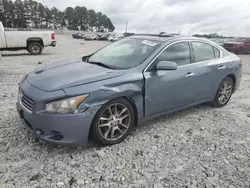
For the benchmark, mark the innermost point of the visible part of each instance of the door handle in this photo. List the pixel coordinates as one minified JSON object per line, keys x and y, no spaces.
{"x":221,"y":67}
{"x":190,"y":74}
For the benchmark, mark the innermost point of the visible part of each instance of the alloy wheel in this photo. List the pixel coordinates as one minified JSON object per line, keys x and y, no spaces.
{"x":225,"y":92}
{"x":35,"y":48}
{"x":114,"y":122}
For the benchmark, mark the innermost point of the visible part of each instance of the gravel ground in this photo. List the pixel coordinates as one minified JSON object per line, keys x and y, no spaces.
{"x":199,"y":147}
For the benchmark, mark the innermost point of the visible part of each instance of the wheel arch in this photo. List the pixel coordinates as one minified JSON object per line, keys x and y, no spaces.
{"x":130,"y":100}
{"x":127,"y":98}
{"x":34,"y":39}
{"x":215,"y":102}
{"x":233,"y":77}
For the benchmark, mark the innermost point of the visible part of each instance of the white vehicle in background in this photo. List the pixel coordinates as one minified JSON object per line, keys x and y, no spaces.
{"x":110,"y":37}
{"x":32,"y":41}
{"x":114,"y":38}
{"x":92,"y":37}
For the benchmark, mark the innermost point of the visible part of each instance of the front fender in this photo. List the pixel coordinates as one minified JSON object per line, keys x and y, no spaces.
{"x":133,"y":91}
{"x":105,"y":93}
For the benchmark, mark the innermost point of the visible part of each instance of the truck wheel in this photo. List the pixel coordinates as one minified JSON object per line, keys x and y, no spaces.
{"x":241,"y":50}
{"x":35,"y":48}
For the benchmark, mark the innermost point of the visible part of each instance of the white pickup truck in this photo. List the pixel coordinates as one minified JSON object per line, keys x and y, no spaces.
{"x":33,"y":41}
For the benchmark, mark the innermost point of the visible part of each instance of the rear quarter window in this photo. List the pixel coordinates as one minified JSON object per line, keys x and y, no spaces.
{"x":216,"y":53}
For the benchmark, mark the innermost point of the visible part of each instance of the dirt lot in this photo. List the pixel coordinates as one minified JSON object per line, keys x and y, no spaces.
{"x":198,"y":147}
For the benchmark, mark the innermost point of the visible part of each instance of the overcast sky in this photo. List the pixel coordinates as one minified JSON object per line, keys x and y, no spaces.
{"x":227,"y":17}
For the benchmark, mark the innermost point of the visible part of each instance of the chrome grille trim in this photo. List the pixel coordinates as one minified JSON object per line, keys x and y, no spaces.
{"x":26,"y":102}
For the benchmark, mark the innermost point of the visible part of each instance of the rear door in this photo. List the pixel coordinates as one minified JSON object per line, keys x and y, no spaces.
{"x":209,"y":70}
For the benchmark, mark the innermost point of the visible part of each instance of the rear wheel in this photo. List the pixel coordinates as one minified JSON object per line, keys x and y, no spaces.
{"x":113,"y":122}
{"x":241,"y":50}
{"x":35,"y":48}
{"x":224,"y":92}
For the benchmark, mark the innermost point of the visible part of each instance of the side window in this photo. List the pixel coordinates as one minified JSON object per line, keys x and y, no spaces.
{"x":178,"y":53}
{"x":216,"y":53}
{"x":202,"y":51}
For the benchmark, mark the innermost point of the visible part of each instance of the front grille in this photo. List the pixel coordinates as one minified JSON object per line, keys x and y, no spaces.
{"x":228,"y":45}
{"x":26,"y":102}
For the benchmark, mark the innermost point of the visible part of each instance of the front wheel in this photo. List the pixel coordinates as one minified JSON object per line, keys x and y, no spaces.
{"x":224,"y":92}
{"x":113,"y":122}
{"x":35,"y":48}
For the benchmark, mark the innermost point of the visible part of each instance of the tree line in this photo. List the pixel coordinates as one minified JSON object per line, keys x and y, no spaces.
{"x":31,"y":14}
{"x":211,"y":35}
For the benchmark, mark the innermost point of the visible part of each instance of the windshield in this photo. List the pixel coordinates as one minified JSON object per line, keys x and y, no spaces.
{"x":125,"y":54}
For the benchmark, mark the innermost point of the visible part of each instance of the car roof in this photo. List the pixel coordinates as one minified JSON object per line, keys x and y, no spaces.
{"x":174,"y":38}
{"x":166,"y":38}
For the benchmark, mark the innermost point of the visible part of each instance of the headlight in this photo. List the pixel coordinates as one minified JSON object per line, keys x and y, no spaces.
{"x":66,"y":106}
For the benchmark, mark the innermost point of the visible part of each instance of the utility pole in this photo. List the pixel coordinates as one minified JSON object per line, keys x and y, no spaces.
{"x":126,"y":27}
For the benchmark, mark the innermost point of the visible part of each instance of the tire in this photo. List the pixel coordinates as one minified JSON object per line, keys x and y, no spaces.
{"x":241,"y":50}
{"x":223,"y":96}
{"x":107,"y":120}
{"x":35,"y":48}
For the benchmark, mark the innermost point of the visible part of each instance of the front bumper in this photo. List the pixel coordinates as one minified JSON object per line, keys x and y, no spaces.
{"x":59,"y":129}
{"x":69,"y":129}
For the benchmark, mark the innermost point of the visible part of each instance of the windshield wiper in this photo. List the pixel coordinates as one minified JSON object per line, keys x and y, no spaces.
{"x":100,"y":64}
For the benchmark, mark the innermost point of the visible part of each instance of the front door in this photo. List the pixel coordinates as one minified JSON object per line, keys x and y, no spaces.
{"x":166,"y":90}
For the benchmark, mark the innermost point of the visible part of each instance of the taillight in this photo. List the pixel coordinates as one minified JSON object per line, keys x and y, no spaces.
{"x":53,"y":36}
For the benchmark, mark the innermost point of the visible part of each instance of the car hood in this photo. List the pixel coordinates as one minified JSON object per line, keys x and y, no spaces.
{"x":69,"y":73}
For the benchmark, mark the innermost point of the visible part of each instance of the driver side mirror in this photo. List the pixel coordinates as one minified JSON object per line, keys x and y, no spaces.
{"x":166,"y":65}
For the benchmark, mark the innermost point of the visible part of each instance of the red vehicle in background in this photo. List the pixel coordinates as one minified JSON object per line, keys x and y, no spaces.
{"x":238,"y":45}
